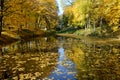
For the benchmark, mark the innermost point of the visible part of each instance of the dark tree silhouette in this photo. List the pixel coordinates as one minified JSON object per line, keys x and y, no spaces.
{"x":1,"y":14}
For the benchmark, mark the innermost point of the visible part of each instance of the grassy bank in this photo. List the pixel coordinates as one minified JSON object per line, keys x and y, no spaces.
{"x":8,"y":37}
{"x":91,"y":33}
{"x":5,"y":39}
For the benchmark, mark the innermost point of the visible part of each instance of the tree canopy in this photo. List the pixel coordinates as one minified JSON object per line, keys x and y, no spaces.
{"x":94,"y":13}
{"x":30,"y":14}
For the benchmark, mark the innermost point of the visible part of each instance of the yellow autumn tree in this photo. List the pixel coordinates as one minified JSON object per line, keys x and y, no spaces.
{"x":68,"y":16}
{"x":103,"y":14}
{"x":30,"y":14}
{"x":47,"y":13}
{"x":80,"y":10}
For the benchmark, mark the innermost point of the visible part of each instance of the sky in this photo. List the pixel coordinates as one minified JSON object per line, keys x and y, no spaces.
{"x":61,"y":4}
{"x":60,"y":7}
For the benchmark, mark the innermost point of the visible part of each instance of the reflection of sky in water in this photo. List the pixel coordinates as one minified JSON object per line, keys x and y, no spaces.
{"x":65,"y":69}
{"x":61,"y":52}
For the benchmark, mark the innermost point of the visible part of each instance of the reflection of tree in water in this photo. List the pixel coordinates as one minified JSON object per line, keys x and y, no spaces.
{"x":104,"y":62}
{"x":1,"y":50}
{"x":99,"y":61}
{"x":35,"y":45}
{"x":65,"y":69}
{"x":27,"y":66}
{"x":32,"y":64}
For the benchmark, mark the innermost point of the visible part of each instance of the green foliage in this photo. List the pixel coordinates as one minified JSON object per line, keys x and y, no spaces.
{"x":69,"y":30}
{"x":26,"y":30}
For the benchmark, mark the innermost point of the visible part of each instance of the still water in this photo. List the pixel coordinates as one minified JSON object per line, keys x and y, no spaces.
{"x":60,"y":58}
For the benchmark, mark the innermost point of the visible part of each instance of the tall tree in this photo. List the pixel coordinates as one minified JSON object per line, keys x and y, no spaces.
{"x":95,"y":13}
{"x":30,"y":14}
{"x":1,"y":15}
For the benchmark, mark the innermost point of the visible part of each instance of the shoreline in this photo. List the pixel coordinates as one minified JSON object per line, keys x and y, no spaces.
{"x":5,"y":39}
{"x":8,"y":37}
{"x":92,"y":38}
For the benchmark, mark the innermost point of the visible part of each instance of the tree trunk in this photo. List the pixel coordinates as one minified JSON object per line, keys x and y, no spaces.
{"x":94,"y":27}
{"x":39,"y":22}
{"x":1,"y":15}
{"x":0,"y":25}
{"x":47,"y":22}
{"x":85,"y":26}
{"x":88,"y":21}
{"x":101,"y":25}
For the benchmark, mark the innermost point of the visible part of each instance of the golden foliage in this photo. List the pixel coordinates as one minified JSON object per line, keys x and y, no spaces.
{"x":92,"y":11}
{"x":30,"y":13}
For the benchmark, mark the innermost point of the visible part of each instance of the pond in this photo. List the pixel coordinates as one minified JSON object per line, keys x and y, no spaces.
{"x":60,"y":58}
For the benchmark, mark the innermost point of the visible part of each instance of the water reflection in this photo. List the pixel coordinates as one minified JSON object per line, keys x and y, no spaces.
{"x":61,"y":52}
{"x":1,"y":50}
{"x":95,"y":61}
{"x":60,"y":59}
{"x":28,"y":60}
{"x":65,"y":69}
